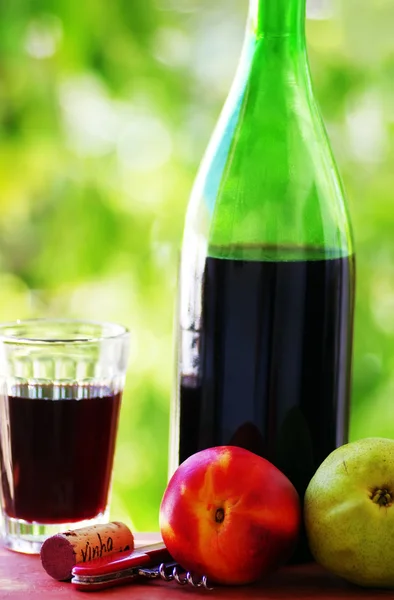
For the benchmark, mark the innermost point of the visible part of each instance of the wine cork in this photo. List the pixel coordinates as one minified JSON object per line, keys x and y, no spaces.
{"x":61,"y":552}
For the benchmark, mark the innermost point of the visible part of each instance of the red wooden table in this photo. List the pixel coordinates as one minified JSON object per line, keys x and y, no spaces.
{"x":22,"y":577}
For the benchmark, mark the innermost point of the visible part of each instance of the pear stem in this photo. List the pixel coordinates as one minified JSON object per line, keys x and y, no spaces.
{"x":382,"y":497}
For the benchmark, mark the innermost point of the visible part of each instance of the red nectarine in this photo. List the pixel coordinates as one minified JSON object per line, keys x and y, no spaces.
{"x":230,"y":515}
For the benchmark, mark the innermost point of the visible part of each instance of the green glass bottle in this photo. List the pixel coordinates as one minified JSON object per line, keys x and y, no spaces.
{"x":266,"y":294}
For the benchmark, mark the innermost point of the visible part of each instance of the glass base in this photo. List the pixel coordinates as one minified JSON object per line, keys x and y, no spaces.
{"x":22,"y":536}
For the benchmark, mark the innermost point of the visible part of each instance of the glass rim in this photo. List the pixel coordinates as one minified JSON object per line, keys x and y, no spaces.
{"x":115,"y":332}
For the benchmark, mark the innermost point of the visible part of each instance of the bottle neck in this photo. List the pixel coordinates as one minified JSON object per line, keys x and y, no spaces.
{"x":278,"y":18}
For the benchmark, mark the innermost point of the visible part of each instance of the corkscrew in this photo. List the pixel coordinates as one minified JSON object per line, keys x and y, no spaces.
{"x":149,"y":562}
{"x":174,"y":572}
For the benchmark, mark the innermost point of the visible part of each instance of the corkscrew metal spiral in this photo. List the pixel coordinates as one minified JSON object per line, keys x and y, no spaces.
{"x":173,"y":572}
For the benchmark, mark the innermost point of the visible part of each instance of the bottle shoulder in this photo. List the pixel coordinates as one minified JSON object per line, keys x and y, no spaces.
{"x":269,"y":170}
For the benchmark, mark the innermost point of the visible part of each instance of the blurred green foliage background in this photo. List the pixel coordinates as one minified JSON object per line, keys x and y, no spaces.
{"x":105,"y":111}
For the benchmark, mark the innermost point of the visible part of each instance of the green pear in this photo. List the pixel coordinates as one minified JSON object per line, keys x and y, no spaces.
{"x":349,"y":512}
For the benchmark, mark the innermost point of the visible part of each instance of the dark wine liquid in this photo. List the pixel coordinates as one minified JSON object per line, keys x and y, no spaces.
{"x":56,"y":466}
{"x":275,"y":362}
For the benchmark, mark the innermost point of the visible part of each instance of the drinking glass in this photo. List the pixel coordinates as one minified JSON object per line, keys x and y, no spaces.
{"x":61,"y":383}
